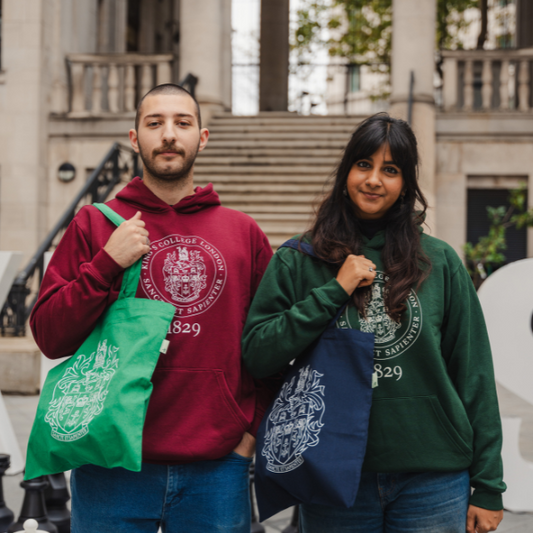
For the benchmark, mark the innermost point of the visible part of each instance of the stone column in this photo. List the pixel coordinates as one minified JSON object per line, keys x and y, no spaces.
{"x":205,"y":51}
{"x":73,"y":27}
{"x":113,"y":26}
{"x":274,"y":62}
{"x":413,"y":50}
{"x":23,"y":108}
{"x":147,"y":27}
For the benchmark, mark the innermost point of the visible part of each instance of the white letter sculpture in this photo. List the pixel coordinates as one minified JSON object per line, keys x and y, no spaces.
{"x":507,"y":301}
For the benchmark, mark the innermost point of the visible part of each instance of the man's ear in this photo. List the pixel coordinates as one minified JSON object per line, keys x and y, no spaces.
{"x":204,"y":135}
{"x":133,"y":141}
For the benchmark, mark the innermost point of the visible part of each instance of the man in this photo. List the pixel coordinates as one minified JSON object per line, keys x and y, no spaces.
{"x":207,"y":261}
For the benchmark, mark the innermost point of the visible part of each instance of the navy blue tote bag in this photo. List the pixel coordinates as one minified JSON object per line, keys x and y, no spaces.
{"x":312,"y":439}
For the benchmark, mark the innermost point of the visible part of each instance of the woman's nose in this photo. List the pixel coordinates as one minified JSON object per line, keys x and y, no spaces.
{"x":373,"y":179}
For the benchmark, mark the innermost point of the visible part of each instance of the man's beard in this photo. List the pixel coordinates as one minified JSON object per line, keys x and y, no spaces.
{"x":168,"y":175}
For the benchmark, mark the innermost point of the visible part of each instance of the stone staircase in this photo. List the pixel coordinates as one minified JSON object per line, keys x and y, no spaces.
{"x":273,"y":166}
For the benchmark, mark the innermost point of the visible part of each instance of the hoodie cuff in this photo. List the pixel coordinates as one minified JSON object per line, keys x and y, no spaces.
{"x":332,"y":293}
{"x":104,"y":268}
{"x":492,"y":501}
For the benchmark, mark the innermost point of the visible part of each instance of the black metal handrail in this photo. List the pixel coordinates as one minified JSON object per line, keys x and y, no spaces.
{"x":101,"y":182}
{"x":189,"y":82}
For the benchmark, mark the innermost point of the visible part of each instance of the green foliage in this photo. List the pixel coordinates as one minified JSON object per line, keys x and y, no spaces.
{"x":450,"y":22}
{"x":361,"y":30}
{"x":487,"y":254}
{"x":310,"y":22}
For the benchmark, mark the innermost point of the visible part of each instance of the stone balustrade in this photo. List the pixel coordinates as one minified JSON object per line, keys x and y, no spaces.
{"x":488,"y":80}
{"x":104,"y":84}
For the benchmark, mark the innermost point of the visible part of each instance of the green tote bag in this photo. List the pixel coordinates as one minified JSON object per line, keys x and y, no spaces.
{"x":93,"y":405}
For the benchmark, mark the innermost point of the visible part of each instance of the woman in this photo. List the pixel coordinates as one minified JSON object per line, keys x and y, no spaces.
{"x":435,"y":431}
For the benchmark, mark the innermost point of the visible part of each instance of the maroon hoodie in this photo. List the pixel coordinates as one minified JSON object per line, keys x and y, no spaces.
{"x":207,"y":261}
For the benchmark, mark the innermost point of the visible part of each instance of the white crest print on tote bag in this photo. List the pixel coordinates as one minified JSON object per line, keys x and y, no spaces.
{"x":80,"y":394}
{"x":295,"y":422}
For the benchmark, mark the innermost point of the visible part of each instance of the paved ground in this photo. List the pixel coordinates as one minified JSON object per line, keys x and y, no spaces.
{"x":22,"y":410}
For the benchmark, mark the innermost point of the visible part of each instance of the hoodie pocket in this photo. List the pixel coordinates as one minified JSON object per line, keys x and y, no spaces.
{"x":449,"y":428}
{"x":232,"y":405}
{"x":192,"y":415}
{"x":414,"y":434}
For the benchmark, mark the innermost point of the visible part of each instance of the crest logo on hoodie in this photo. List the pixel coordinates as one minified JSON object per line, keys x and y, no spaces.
{"x":184,"y":274}
{"x":185,"y":271}
{"x":391,"y":338}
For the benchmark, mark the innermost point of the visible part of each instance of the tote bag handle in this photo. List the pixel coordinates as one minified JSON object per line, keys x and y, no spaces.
{"x":132,"y":274}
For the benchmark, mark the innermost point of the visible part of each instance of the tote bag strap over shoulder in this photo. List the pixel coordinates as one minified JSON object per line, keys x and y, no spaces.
{"x":130,"y":281}
{"x":110,"y":214}
{"x":300,"y":246}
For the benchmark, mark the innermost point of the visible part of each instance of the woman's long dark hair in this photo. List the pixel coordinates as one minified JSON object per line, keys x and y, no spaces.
{"x":336,"y":231}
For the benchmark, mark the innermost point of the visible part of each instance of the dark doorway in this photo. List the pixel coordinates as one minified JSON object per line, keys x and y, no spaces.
{"x":134,"y":25}
{"x":478,"y":223}
{"x":524,"y":23}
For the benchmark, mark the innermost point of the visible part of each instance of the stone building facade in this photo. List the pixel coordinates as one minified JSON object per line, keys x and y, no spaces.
{"x":71,"y":73}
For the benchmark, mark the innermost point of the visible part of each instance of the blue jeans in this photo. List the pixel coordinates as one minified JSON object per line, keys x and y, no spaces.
{"x":433,"y":502}
{"x":195,"y":497}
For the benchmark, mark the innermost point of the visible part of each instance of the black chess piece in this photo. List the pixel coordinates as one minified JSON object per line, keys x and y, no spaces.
{"x":256,"y":527}
{"x":56,"y":496}
{"x":6,"y":515}
{"x":293,"y":526}
{"x":33,"y":506}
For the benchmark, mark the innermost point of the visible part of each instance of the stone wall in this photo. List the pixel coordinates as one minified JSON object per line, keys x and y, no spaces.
{"x":478,"y":145}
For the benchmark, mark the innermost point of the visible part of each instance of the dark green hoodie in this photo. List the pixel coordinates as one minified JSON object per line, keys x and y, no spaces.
{"x":435,"y":407}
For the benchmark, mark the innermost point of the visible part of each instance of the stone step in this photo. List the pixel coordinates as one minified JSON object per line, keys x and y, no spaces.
{"x":275,"y":143}
{"x":287,"y":119}
{"x":203,"y":178}
{"x":300,"y":218}
{"x":309,"y":136}
{"x":290,"y":129}
{"x":222,"y":161}
{"x":271,"y":209}
{"x":211,"y":170}
{"x":259,"y":151}
{"x":305,"y":199}
{"x":275,"y":166}
{"x":282,"y":228}
{"x":260,"y":190}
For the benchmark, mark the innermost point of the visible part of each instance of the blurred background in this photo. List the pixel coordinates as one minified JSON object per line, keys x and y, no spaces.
{"x":282,"y":85}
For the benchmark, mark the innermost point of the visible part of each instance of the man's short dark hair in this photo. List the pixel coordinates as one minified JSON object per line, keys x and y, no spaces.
{"x":167,"y":88}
